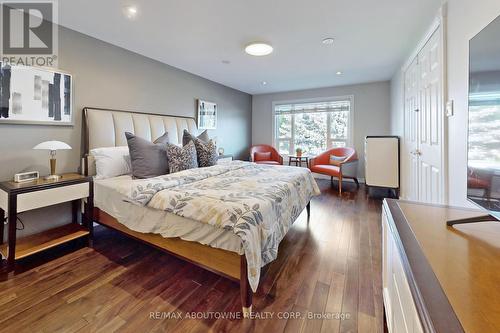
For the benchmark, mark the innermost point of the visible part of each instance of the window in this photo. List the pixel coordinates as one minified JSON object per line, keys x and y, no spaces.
{"x":312,"y":126}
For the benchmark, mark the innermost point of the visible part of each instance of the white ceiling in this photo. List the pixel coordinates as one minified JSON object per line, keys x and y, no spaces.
{"x":372,"y":37}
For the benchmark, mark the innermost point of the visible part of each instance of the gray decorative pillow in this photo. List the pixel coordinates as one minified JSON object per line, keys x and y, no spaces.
{"x":148,"y":159}
{"x":186,"y":137}
{"x":207,"y":152}
{"x":162,"y":139}
{"x":181,"y":158}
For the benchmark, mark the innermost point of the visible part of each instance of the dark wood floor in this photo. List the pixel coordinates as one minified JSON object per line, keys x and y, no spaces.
{"x":329,"y":267}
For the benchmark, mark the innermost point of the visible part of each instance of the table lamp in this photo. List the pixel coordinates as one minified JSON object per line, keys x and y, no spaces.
{"x":218,"y":143}
{"x":52,"y":146}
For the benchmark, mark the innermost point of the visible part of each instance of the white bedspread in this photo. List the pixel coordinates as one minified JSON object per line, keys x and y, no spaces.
{"x":149,"y":220}
{"x":258,"y":203}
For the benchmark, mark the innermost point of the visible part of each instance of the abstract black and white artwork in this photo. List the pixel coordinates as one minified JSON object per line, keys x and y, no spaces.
{"x":33,"y":95}
{"x":207,"y":115}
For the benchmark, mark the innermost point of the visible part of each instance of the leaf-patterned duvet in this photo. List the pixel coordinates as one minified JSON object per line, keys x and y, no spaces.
{"x":258,"y":203}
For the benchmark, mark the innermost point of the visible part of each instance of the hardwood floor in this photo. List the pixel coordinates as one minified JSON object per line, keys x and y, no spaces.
{"x":328,"y":267}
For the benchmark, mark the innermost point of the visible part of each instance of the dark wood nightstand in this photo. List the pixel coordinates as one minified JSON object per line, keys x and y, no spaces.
{"x":20,"y":197}
{"x":298,"y":160}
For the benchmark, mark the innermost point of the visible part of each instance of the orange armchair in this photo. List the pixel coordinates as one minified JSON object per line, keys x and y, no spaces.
{"x":477,"y":181}
{"x":344,"y":168}
{"x":265,"y":154}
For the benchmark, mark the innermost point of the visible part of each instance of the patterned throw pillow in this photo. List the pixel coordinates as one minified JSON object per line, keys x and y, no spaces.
{"x":181,"y":158}
{"x":207,"y":153}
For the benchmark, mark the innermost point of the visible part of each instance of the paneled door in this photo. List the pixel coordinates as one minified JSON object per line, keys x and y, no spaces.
{"x":410,"y":142}
{"x":430,"y":122}
{"x":424,"y":124}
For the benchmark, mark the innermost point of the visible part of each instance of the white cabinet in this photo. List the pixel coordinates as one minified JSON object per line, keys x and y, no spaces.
{"x":399,"y":305}
{"x":382,"y":161}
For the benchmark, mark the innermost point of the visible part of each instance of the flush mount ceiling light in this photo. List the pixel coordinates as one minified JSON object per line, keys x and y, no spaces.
{"x":264,"y":83}
{"x":339,"y":73}
{"x":130,"y":12}
{"x":259,"y":49}
{"x":328,"y":41}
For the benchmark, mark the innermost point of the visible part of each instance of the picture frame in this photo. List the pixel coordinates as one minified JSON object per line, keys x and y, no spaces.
{"x":35,"y":95}
{"x":207,"y":115}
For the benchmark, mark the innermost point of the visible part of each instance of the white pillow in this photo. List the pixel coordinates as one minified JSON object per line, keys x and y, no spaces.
{"x":111,"y":161}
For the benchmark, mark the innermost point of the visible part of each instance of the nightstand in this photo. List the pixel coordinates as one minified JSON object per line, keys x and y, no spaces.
{"x":298,"y":160}
{"x":16,"y":198}
{"x":224,"y":159}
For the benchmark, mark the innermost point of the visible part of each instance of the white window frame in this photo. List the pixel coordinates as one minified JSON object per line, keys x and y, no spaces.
{"x":350,"y":136}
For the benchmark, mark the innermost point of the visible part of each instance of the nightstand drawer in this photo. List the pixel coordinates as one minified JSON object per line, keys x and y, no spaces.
{"x":43,"y":198}
{"x":4,"y":200}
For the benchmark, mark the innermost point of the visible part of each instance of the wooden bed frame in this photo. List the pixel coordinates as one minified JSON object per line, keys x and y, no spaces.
{"x":222,"y":262}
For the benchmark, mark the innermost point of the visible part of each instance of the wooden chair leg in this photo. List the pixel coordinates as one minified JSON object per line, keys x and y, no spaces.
{"x":245,"y":289}
{"x":340,"y":184}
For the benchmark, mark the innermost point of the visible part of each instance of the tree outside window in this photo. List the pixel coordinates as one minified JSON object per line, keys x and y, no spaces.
{"x":313,"y":127}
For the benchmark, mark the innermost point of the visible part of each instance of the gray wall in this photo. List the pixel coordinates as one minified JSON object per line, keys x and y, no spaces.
{"x":371,"y":112}
{"x":111,"y":77}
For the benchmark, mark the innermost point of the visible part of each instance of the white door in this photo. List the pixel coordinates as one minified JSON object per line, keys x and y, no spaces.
{"x":410,"y":142}
{"x":430,"y":122}
{"x":424,"y":125}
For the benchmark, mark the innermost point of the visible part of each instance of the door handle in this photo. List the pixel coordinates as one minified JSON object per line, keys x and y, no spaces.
{"x":418,"y":152}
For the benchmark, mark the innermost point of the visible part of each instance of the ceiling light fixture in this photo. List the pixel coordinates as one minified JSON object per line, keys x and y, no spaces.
{"x":339,"y":73}
{"x":264,"y":83}
{"x":130,"y":12}
{"x":259,"y":49}
{"x":226,"y":62}
{"x":328,"y":41}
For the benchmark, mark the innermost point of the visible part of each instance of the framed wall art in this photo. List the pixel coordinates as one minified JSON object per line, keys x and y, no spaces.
{"x":35,"y":95}
{"x":207,"y":115}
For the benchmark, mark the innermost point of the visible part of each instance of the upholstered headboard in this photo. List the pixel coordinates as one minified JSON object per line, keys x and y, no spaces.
{"x":106,"y":128}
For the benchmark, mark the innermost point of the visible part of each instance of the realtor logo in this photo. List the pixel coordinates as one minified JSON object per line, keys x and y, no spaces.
{"x":28,"y":35}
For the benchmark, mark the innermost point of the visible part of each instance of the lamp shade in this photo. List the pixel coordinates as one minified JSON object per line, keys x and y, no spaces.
{"x":52,"y":145}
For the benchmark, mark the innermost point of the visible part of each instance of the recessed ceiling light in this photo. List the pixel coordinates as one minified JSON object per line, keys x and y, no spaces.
{"x":130,"y":12}
{"x":339,"y":73}
{"x":259,"y":49}
{"x":226,"y":62}
{"x":328,"y":41}
{"x":263,"y":83}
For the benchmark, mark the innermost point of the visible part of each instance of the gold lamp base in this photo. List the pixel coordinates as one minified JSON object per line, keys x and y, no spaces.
{"x":53,"y":175}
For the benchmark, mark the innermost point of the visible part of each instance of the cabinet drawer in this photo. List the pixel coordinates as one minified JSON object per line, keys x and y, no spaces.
{"x":401,"y":312}
{"x":407,"y":301}
{"x":400,"y":322}
{"x":38,"y":199}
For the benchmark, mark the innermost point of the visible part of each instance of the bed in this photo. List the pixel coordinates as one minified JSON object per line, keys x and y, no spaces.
{"x":228,"y":219}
